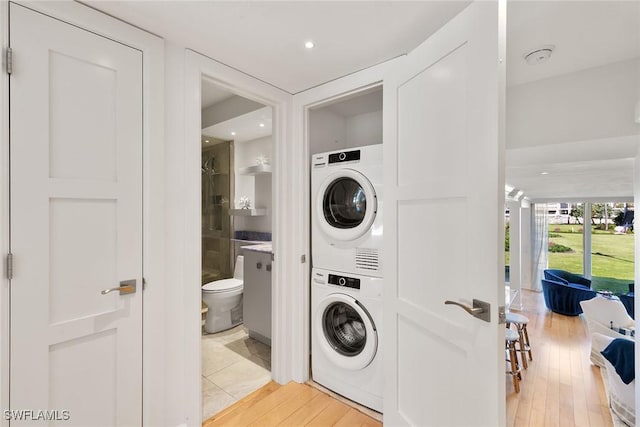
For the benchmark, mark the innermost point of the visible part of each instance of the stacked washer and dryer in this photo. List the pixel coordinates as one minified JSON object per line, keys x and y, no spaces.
{"x":346,"y":282}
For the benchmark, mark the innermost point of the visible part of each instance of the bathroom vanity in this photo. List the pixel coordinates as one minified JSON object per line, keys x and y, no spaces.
{"x":257,"y":291}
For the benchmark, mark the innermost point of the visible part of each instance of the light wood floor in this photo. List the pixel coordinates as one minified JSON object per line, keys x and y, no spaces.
{"x":292,"y":404}
{"x":561,"y":386}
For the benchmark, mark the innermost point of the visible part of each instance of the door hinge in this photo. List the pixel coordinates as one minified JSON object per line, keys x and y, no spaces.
{"x":9,"y":60}
{"x":9,"y":266}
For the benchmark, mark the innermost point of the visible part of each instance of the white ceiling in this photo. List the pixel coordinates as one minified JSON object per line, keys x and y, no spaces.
{"x":266,"y":38}
{"x":359,"y":103}
{"x":586,"y":34}
{"x":213,"y":94}
{"x":246,"y":126}
{"x":604,"y":169}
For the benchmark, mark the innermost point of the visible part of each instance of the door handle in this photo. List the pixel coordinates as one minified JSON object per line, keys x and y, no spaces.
{"x":126,"y":287}
{"x":480,"y":309}
{"x":258,"y":265}
{"x":268,"y":267}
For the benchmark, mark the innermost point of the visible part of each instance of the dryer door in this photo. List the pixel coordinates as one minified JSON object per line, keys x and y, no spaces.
{"x":346,"y":333}
{"x":346,"y":205}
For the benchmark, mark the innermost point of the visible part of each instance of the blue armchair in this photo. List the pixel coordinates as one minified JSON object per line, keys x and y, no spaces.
{"x":628,"y":300}
{"x":565,"y":298}
{"x":567,"y":278}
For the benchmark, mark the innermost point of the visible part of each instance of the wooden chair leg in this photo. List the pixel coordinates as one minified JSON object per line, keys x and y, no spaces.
{"x":522,"y":349}
{"x":515,"y":371}
{"x":526,"y":338}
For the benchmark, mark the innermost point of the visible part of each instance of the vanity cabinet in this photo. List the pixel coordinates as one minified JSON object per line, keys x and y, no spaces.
{"x":257,"y":295}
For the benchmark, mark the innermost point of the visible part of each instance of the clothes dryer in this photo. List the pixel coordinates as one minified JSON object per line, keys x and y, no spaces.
{"x":346,"y":217}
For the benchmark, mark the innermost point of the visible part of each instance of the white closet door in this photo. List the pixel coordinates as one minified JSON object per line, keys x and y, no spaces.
{"x":443,"y":216}
{"x":76,"y":223}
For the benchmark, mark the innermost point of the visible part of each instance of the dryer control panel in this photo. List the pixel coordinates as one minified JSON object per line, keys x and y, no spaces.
{"x":347,"y":282}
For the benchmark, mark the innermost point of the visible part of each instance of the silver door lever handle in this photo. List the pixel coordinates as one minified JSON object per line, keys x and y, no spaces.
{"x":480,"y":309}
{"x":126,"y":287}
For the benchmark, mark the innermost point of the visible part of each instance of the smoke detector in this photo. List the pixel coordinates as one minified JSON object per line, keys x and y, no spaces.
{"x":539,"y":55}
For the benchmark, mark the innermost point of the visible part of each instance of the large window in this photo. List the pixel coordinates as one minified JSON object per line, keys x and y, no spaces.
{"x":612,"y":246}
{"x":612,"y":242}
{"x":566,"y":249}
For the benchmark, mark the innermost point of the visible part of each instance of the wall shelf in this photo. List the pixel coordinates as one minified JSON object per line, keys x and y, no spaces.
{"x":248,"y":212}
{"x":255,"y":170}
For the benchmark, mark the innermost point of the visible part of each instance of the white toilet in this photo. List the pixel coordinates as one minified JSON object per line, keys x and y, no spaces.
{"x":224,"y":300}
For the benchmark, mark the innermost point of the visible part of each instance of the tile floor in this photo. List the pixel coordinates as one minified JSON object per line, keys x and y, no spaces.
{"x":233,"y":365}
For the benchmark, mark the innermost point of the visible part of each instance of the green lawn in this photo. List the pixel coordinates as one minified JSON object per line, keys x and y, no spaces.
{"x":612,"y":256}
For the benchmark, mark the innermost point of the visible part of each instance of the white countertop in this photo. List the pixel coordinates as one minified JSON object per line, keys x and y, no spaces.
{"x":263,"y":247}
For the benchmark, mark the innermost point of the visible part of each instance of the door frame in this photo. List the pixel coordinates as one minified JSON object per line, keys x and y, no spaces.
{"x":303,"y":102}
{"x":285,"y":363}
{"x":152,"y":48}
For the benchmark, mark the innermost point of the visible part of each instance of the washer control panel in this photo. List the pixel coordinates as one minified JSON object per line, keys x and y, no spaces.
{"x":347,"y":282}
{"x":344,"y":156}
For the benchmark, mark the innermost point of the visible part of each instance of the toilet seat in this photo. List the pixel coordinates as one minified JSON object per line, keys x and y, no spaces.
{"x":224,"y":285}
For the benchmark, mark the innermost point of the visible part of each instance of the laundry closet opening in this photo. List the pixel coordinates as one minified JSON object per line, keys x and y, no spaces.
{"x":345,"y":143}
{"x":237,"y":202}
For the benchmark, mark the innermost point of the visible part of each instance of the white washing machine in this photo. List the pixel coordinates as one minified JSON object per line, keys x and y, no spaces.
{"x":346,"y":210}
{"x":346,"y":353}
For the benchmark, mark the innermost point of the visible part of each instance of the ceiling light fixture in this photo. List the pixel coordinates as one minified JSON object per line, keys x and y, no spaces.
{"x":233,"y":134}
{"x":309,"y":44}
{"x":544,"y":173}
{"x":206,"y":141}
{"x":539,"y":55}
{"x":261,"y":125}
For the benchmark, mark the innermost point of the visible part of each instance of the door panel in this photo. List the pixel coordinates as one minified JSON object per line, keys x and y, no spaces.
{"x":443,"y":197}
{"x":76,"y":222}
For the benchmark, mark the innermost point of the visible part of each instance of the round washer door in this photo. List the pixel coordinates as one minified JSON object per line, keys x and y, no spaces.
{"x":346,"y":205}
{"x":345,"y":331}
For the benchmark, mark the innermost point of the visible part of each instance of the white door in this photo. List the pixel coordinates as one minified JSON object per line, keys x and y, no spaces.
{"x":76,"y":224}
{"x":443,"y":190}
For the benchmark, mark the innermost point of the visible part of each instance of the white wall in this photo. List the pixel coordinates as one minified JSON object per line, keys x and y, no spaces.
{"x":172,"y":330}
{"x":364,"y":129}
{"x":258,"y":188}
{"x":327,"y":131}
{"x":330,"y":131}
{"x":591,"y":104}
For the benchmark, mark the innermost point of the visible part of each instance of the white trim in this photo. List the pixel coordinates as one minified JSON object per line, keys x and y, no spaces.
{"x":286,"y":229}
{"x":302,"y":103}
{"x":4,"y":213}
{"x":153,"y":222}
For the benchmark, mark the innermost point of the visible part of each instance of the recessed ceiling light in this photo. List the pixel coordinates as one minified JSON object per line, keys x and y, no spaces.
{"x":309,"y":44}
{"x":233,"y":134}
{"x":544,"y":173}
{"x":206,"y":141}
{"x":261,"y":125}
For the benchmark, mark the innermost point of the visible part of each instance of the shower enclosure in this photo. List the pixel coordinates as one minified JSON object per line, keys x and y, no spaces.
{"x":217,"y":186}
